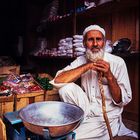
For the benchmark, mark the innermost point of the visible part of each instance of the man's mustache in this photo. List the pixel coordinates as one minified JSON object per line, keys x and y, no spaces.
{"x":95,"y":47}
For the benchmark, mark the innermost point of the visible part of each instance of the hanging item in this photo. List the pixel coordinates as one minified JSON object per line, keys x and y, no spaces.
{"x":89,"y":4}
{"x":122,"y":45}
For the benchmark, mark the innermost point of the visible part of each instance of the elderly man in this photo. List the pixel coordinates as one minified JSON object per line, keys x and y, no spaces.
{"x":115,"y":86}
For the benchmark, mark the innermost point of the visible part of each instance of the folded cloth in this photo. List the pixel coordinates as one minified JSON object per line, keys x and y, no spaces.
{"x":80,"y":49}
{"x":62,"y":44}
{"x":78,"y":40}
{"x":69,"y":47}
{"x":69,"y":39}
{"x":62,"y":40}
{"x":70,"y":51}
{"x":61,"y":48}
{"x":78,"y":36}
{"x":126,"y":132}
{"x":77,"y":44}
{"x":78,"y":53}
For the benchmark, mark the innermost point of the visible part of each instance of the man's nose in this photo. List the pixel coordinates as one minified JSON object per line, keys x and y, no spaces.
{"x":94,"y":42}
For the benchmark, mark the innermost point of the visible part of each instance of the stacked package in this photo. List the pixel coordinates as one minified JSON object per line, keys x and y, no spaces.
{"x":65,"y":47}
{"x":79,"y":48}
{"x":71,"y":46}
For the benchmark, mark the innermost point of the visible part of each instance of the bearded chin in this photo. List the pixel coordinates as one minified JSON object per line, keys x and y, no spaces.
{"x":94,"y":56}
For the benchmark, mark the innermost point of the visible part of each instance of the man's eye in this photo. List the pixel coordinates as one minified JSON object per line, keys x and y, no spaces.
{"x":90,"y":39}
{"x":99,"y":39}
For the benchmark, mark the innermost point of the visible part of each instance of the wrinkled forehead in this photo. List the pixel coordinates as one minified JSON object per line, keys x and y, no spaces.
{"x":93,"y":34}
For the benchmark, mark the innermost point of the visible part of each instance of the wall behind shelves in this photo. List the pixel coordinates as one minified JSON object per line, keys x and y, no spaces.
{"x":125,"y":25}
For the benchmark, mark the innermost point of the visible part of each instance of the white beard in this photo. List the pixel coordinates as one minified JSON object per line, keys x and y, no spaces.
{"x":94,"y":56}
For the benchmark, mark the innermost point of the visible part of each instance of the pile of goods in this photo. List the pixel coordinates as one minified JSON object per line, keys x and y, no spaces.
{"x":44,"y":82}
{"x":4,"y":91}
{"x":18,"y":84}
{"x":43,"y":79}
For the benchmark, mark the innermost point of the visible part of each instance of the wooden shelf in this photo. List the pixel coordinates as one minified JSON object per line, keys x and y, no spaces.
{"x":124,"y":55}
{"x":52,"y":57}
{"x":108,"y":8}
{"x":60,"y":21}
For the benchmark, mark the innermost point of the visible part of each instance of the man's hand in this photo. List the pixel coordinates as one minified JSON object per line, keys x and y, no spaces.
{"x":102,"y":66}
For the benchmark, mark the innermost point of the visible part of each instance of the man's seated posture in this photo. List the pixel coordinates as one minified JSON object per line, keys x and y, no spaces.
{"x":105,"y":88}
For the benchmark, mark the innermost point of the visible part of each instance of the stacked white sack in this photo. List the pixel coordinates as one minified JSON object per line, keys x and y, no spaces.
{"x":79,"y":48}
{"x":65,"y":47}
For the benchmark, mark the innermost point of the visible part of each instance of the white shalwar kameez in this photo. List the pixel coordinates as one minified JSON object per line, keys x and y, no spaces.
{"x":88,"y":97}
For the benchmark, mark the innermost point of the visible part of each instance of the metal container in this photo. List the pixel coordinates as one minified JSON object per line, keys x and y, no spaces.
{"x":51,"y":118}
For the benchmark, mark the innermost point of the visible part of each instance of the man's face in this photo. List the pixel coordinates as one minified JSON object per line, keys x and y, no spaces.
{"x":94,"y":41}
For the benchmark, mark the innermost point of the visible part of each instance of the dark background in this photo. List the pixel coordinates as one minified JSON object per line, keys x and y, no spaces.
{"x":14,"y":20}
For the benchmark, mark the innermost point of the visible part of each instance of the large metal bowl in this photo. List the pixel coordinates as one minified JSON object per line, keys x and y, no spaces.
{"x":58,"y":118}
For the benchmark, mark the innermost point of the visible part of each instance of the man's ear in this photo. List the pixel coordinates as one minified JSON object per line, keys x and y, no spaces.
{"x":104,"y":42}
{"x":84,"y":42}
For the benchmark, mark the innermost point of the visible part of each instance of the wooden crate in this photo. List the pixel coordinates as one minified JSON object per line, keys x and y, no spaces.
{"x":2,"y":130}
{"x":5,"y":70}
{"x":6,"y":105}
{"x":52,"y":95}
{"x":16,"y":102}
{"x":22,"y":100}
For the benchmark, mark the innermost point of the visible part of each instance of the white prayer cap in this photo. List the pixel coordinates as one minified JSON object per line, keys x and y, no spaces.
{"x":94,"y":27}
